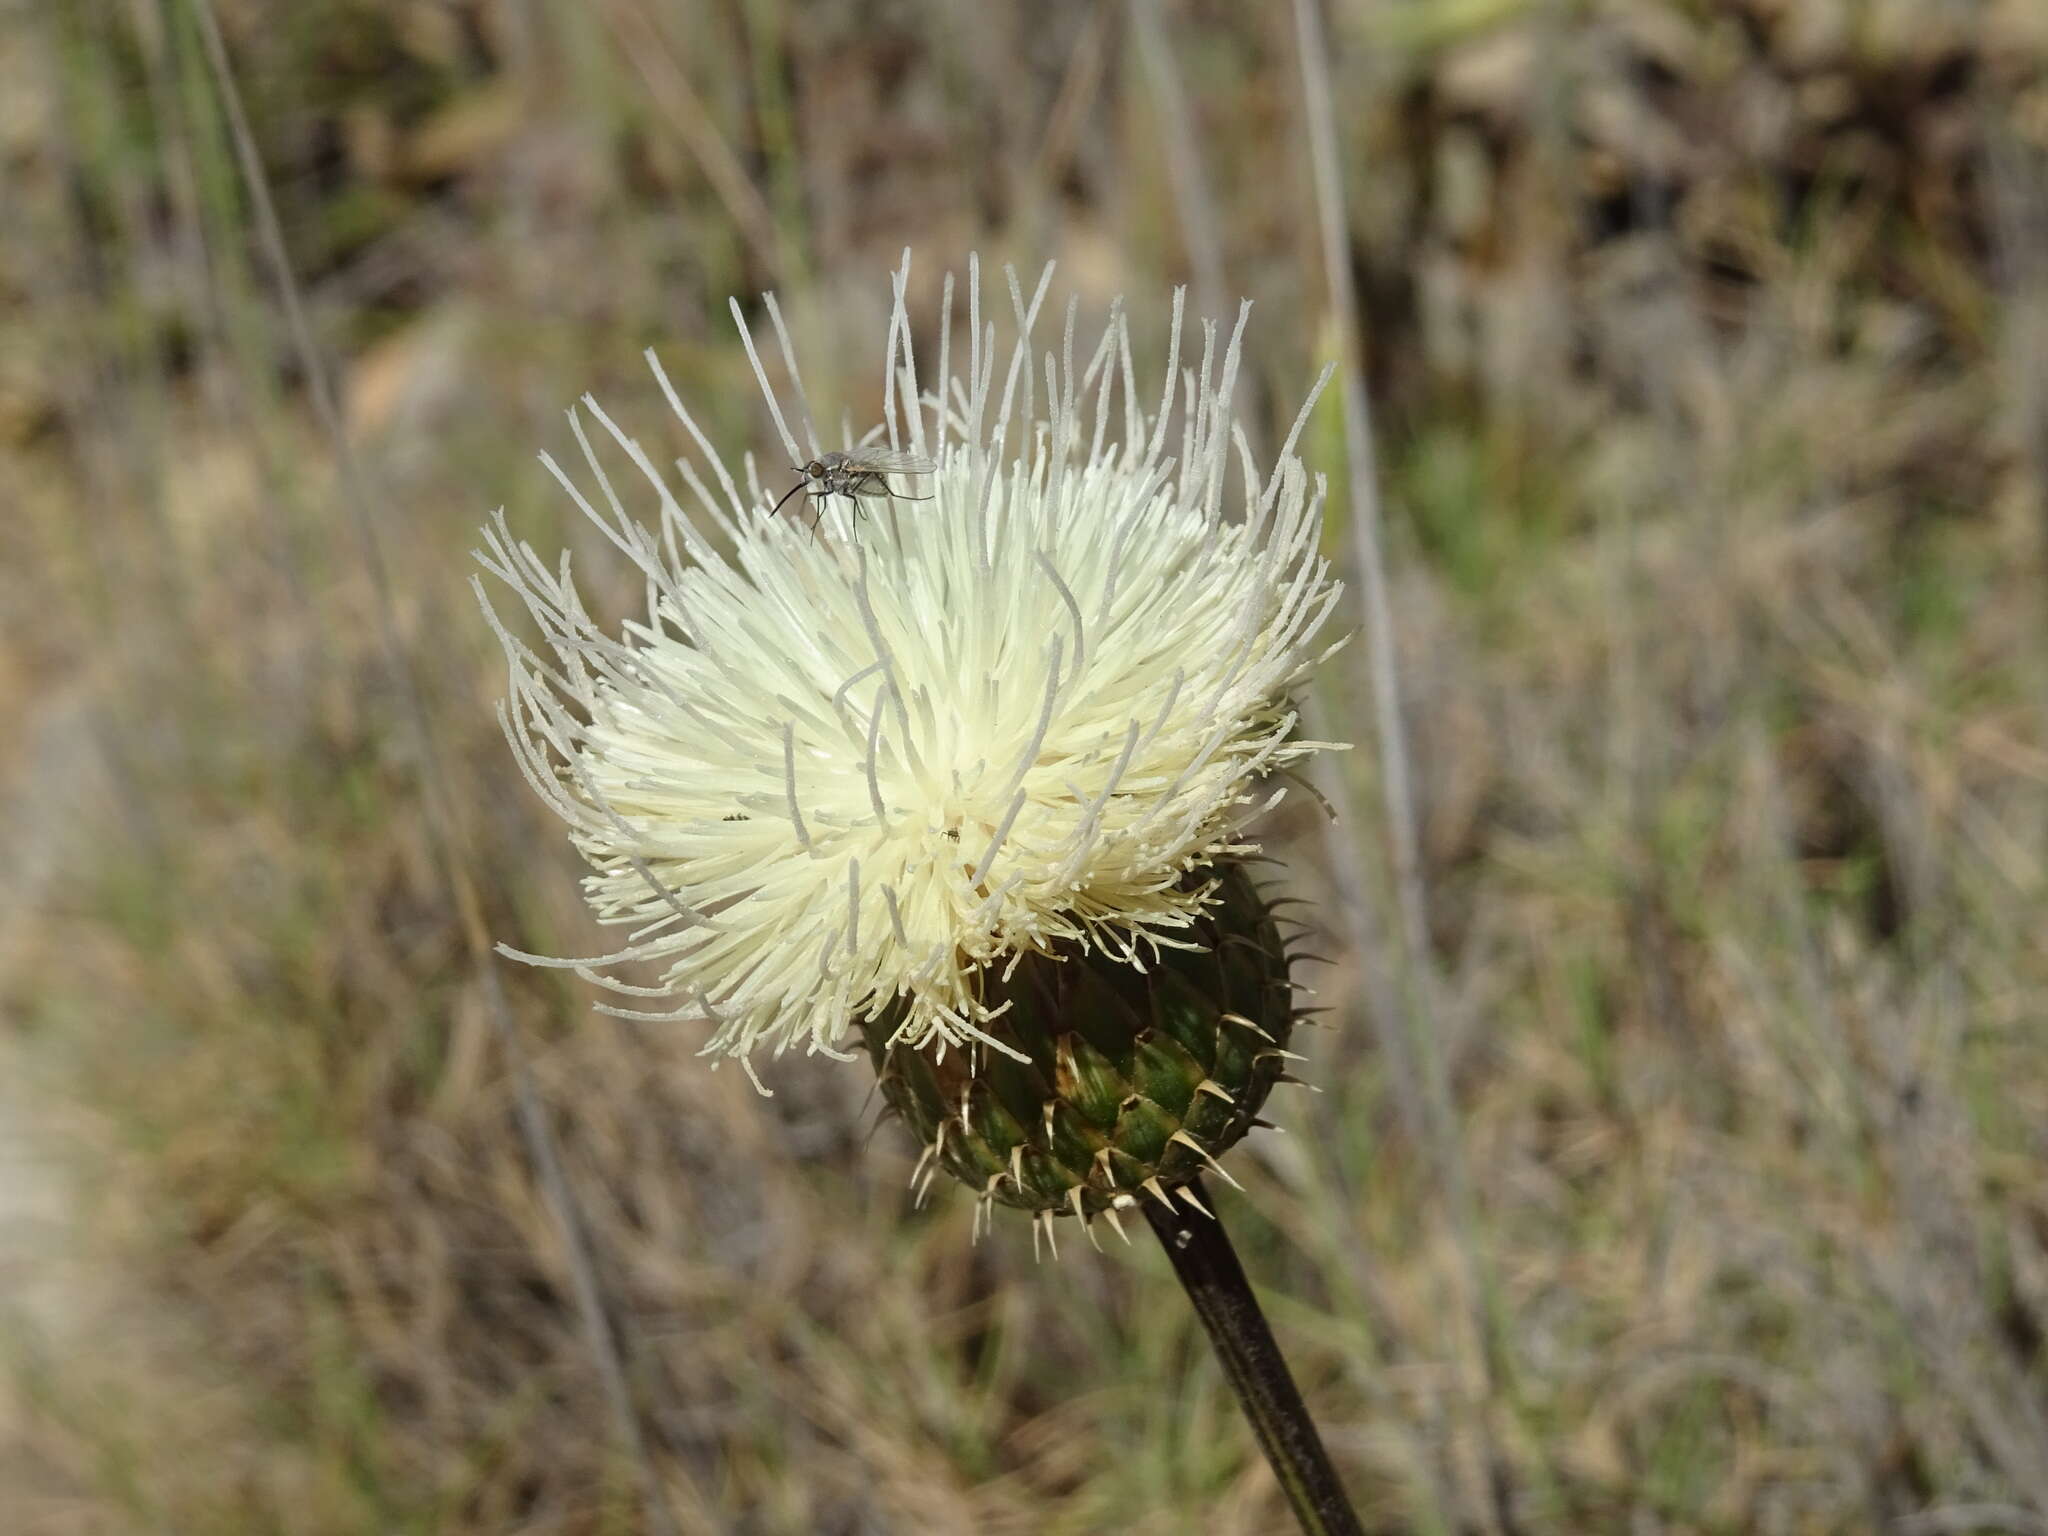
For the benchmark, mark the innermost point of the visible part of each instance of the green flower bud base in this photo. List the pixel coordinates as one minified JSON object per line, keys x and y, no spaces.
{"x":1132,"y":1083}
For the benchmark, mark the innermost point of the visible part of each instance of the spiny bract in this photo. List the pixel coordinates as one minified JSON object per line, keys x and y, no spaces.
{"x":1125,"y":1084}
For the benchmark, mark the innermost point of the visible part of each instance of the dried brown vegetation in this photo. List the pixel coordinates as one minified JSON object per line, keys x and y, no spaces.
{"x":1709,"y":344}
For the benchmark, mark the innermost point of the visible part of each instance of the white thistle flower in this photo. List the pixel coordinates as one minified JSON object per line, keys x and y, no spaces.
{"x":867,"y":760}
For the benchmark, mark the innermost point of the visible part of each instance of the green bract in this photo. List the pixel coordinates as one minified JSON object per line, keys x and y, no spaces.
{"x":1131,"y":1082}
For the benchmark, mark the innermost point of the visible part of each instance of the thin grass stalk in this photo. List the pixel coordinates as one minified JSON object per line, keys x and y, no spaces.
{"x":606,"y":1352}
{"x":1365,"y":527}
{"x":1080,"y":86}
{"x":117,"y":450}
{"x":1365,"y":933}
{"x":1193,"y":202}
{"x":769,"y":45}
{"x":639,"y":40}
{"x":2018,"y":184}
{"x":1208,"y":1269}
{"x":125,"y":393}
{"x":241,"y":390}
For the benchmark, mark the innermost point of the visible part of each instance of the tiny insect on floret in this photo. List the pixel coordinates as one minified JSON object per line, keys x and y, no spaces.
{"x":864,"y":473}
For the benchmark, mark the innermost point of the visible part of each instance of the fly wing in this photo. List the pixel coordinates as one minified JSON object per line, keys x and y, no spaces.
{"x":889,"y":461}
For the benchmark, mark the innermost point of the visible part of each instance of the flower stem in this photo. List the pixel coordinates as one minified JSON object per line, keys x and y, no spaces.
{"x":1215,"y":1282}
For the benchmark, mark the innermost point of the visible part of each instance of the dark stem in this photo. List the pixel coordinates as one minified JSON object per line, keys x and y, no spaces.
{"x":1215,"y":1283}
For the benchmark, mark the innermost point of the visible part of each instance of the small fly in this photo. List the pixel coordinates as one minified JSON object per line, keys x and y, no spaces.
{"x":862,"y":475}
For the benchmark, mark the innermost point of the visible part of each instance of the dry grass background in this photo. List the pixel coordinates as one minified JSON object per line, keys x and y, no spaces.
{"x":1709,"y":351}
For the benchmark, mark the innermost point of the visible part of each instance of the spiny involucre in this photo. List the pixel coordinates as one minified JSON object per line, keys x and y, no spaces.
{"x":857,"y":759}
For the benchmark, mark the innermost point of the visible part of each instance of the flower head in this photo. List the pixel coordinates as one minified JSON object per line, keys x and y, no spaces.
{"x":852,"y":761}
